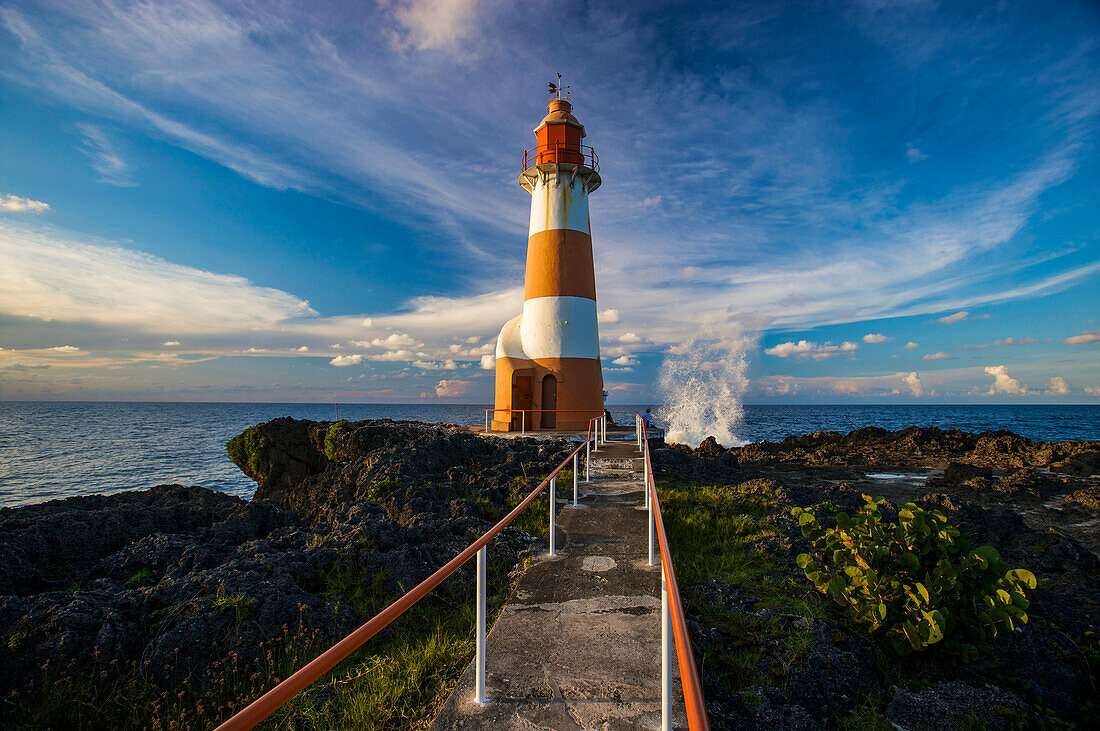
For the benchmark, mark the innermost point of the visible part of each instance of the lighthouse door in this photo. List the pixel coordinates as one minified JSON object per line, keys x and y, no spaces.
{"x":549,"y":402}
{"x":522,"y":392}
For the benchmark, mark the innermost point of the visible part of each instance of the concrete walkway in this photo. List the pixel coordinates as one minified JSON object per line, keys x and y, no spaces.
{"x":578,"y":644}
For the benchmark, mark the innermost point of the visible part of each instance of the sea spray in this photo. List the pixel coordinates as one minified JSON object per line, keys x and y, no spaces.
{"x":702,"y":381}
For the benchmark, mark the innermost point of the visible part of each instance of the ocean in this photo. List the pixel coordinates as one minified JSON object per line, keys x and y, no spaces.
{"x":53,"y":450}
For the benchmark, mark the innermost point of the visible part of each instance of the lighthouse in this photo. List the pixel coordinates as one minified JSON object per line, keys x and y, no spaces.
{"x":548,"y":372}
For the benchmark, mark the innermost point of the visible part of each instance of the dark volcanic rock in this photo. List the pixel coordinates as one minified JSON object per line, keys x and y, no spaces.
{"x":947,"y":704}
{"x":916,"y":446}
{"x":168,"y":583}
{"x":315,"y":467}
{"x":835,"y":672}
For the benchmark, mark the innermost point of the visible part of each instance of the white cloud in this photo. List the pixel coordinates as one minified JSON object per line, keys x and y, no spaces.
{"x":302,"y":349}
{"x":1059,"y":386}
{"x":1088,"y":336}
{"x":452,"y":388}
{"x":625,"y":360}
{"x":913,"y":153}
{"x":912,"y":380}
{"x":875,"y":338}
{"x":807,"y":349}
{"x":630,"y":338}
{"x":346,"y":360}
{"x":912,"y":344}
{"x":106,"y":160}
{"x":48,"y":277}
{"x":608,"y":316}
{"x":65,"y":348}
{"x":171,"y":343}
{"x":394,"y":355}
{"x":957,"y":317}
{"x":1092,"y":390}
{"x":447,"y":365}
{"x":395,"y":340}
{"x":435,"y":24}
{"x":15,"y":204}
{"x":1004,"y":383}
{"x":937,"y":356}
{"x":488,"y":363}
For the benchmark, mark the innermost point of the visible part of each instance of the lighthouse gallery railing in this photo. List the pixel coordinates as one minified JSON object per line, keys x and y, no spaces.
{"x":562,"y":152}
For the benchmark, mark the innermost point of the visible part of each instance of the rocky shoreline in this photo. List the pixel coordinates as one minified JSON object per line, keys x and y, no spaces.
{"x":1032,"y":501}
{"x":161,"y":592}
{"x":141,"y":591}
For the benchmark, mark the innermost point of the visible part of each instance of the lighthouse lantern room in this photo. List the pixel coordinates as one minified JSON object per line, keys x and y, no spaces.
{"x":548,"y":371}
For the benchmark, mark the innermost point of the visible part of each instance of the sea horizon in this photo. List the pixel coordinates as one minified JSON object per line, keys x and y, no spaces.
{"x":57,"y":449}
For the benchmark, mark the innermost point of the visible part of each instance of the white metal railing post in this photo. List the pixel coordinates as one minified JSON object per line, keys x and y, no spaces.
{"x":575,"y":478}
{"x":523,"y":422}
{"x":479,"y":676}
{"x":652,"y":528}
{"x":645,"y":481}
{"x":553,"y":494}
{"x":595,"y":438}
{"x":588,"y":460}
{"x":486,"y":422}
{"x":666,"y":657}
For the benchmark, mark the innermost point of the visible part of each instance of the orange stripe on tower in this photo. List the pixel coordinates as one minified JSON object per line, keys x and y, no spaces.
{"x":559,"y":264}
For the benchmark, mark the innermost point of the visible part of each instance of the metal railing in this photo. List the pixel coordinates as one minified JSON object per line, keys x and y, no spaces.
{"x":523,"y":416}
{"x":563,"y":153}
{"x":673,"y":624}
{"x":278,"y":696}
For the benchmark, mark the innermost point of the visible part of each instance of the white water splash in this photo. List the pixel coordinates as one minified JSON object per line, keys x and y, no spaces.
{"x":702,"y":381}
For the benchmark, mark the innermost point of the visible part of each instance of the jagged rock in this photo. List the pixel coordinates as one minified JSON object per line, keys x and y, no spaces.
{"x":927,"y":447}
{"x":947,"y":704}
{"x":173,"y":581}
{"x":834,"y":673}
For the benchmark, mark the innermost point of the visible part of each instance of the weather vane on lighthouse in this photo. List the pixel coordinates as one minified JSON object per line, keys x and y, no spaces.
{"x":557,"y":88}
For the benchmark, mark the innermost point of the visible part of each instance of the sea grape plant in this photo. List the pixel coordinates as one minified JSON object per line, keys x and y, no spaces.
{"x":917,"y":582}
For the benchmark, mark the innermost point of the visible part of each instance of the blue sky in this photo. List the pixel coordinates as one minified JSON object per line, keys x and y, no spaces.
{"x":826,"y":202}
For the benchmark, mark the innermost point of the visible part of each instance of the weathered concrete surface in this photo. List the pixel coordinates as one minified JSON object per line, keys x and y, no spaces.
{"x":578,"y":645}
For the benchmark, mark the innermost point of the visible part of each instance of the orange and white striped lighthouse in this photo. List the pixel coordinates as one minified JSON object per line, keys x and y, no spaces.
{"x":548,"y":372}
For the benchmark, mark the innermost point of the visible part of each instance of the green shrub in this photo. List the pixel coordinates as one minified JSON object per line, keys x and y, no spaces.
{"x":245,"y":448}
{"x":330,"y":438}
{"x":917,"y":581}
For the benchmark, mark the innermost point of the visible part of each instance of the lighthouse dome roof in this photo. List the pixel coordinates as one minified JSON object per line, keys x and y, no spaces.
{"x":558,"y":111}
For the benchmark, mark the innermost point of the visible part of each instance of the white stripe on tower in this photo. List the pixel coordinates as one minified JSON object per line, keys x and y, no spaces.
{"x":560,"y":327}
{"x":560,"y":203}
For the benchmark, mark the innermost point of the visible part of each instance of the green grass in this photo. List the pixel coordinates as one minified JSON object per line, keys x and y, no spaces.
{"x":721,"y":532}
{"x":238,"y":603}
{"x":397,"y":679}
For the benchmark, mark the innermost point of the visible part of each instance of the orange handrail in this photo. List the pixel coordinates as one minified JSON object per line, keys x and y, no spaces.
{"x":689,"y":676}
{"x":278,"y":696}
{"x":556,"y":411}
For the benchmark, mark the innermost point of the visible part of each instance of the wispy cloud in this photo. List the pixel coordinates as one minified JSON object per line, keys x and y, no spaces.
{"x":807,"y":349}
{"x":1088,"y":336}
{"x":106,"y":160}
{"x":941,"y":355}
{"x":443,"y":25}
{"x":876,"y":338}
{"x":15,"y":204}
{"x":957,"y":317}
{"x":51,"y":277}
